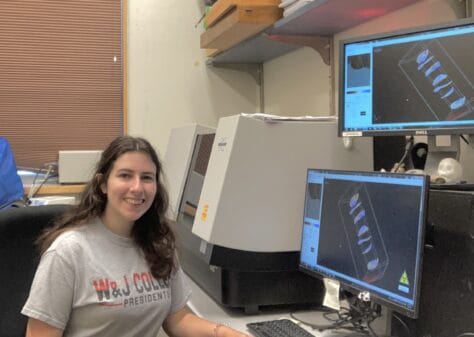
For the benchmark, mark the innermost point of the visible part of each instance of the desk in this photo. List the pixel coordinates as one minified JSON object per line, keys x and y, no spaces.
{"x":55,"y":195}
{"x":56,"y":189}
{"x":207,"y":308}
{"x":50,"y":187}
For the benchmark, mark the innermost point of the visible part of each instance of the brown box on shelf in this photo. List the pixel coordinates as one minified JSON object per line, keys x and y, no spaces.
{"x":212,"y":52}
{"x":221,"y":7}
{"x":238,"y":24}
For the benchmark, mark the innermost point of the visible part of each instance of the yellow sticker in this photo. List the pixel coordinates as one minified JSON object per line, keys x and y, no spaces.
{"x":404,"y":279}
{"x":205,"y":209}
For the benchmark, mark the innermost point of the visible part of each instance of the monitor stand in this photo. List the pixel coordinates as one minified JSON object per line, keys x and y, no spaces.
{"x":438,"y":151}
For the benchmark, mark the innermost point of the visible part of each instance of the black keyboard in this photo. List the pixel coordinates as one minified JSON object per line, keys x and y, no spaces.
{"x":278,"y":328}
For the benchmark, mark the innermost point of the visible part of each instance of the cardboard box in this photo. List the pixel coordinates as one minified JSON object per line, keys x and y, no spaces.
{"x":238,"y":24}
{"x":223,"y":7}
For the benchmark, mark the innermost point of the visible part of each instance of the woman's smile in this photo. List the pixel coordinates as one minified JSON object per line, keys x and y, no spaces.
{"x":130,"y":189}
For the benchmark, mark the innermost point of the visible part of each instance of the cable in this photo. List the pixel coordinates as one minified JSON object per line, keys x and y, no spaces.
{"x":371,"y":330}
{"x":311,"y":325}
{"x":408,"y":146}
{"x":465,"y":140}
{"x":357,"y":318}
{"x":364,"y":315}
{"x":34,"y":189}
{"x":343,"y":317}
{"x":47,"y":176}
{"x":405,"y":326}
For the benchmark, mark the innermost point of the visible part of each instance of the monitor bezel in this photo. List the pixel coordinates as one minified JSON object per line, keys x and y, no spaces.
{"x":420,"y":131}
{"x":354,"y":289}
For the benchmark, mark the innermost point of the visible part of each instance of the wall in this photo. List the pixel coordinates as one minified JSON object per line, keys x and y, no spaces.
{"x":297,"y":84}
{"x":169,"y":84}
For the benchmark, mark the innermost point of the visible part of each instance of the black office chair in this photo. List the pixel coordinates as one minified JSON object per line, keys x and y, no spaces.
{"x":19,"y":257}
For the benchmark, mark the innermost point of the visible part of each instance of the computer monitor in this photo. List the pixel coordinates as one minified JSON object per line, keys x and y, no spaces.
{"x":411,"y":82}
{"x":366,"y":230}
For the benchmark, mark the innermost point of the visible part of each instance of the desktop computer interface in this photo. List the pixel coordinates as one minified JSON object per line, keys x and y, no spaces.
{"x":365,"y":230}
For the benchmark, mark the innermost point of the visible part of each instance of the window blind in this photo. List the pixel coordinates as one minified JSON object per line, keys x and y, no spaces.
{"x":61,"y":73}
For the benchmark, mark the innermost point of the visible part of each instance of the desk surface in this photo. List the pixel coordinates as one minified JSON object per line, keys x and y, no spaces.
{"x":57,"y":189}
{"x":207,"y":308}
{"x":49,"y":185}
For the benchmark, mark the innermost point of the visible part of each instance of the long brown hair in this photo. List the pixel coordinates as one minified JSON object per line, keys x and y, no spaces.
{"x":151,"y":232}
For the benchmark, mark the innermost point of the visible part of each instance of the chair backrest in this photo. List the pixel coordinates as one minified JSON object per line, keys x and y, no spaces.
{"x":19,"y":257}
{"x":11,"y":187}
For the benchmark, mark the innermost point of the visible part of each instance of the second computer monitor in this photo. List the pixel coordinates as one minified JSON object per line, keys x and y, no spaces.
{"x":411,"y":82}
{"x":366,"y":230}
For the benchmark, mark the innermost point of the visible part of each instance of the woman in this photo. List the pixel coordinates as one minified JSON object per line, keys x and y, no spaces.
{"x":108,"y":267}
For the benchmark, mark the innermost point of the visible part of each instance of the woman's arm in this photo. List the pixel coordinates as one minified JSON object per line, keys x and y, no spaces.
{"x":37,"y":328}
{"x":184,"y":323}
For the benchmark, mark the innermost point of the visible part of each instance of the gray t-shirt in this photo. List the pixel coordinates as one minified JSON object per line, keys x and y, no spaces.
{"x":92,"y":282}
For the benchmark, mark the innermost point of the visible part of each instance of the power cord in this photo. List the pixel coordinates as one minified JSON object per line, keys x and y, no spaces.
{"x":408,"y":146}
{"x":357,"y":318}
{"x":366,"y":315}
{"x":51,"y":170}
{"x":311,"y":325}
{"x":405,"y":326}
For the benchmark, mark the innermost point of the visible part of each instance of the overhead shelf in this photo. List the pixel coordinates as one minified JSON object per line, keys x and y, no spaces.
{"x":319,"y":18}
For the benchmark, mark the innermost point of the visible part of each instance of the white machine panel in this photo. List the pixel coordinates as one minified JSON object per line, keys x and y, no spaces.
{"x":253,"y":192}
{"x":77,"y":166}
{"x":177,"y":160}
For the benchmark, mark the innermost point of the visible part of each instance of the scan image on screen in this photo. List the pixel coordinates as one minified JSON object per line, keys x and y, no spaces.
{"x":432,"y":71}
{"x":429,"y":83}
{"x":401,"y":83}
{"x":368,"y":233}
{"x":358,"y":70}
{"x":363,"y":234}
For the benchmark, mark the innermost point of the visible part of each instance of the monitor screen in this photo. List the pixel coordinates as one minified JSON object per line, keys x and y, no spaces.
{"x":366,"y":230}
{"x":416,"y":82}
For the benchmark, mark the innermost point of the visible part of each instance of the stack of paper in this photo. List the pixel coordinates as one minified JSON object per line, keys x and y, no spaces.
{"x":291,"y":6}
{"x":276,"y":118}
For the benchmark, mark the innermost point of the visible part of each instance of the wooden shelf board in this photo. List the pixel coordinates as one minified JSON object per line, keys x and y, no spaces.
{"x":328,"y":17}
{"x":257,"y":49}
{"x":318,"y":18}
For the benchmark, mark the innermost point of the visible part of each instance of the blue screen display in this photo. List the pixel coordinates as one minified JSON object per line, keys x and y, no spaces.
{"x":366,"y":230}
{"x":417,"y":82}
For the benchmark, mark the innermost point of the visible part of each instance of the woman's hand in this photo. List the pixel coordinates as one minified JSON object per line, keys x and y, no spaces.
{"x":225,"y":331}
{"x":184,"y":323}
